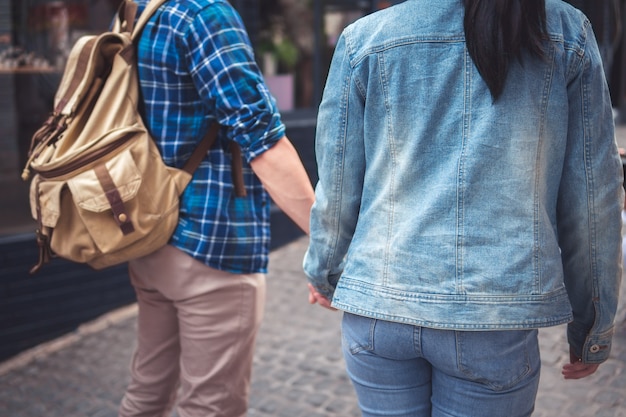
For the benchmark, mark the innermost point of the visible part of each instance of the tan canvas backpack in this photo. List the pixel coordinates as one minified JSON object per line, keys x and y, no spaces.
{"x":101,"y":193}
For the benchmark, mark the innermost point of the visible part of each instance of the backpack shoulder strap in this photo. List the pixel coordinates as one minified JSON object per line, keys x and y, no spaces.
{"x":147,"y":13}
{"x":236,"y":165}
{"x":125,"y":17}
{"x":127,"y":12}
{"x":203,"y":147}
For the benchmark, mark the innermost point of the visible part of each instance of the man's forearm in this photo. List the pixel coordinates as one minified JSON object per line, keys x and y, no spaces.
{"x":285,"y":179}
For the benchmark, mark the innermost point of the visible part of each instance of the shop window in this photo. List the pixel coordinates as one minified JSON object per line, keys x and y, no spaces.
{"x":35,"y":40}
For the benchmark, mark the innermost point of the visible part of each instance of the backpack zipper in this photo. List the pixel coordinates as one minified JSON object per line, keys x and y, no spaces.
{"x":81,"y":162}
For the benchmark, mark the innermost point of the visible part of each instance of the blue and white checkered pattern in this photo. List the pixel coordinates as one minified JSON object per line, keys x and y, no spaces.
{"x":196,"y":66}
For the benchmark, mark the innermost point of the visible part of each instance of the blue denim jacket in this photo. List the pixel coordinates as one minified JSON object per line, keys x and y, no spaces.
{"x":438,"y":207}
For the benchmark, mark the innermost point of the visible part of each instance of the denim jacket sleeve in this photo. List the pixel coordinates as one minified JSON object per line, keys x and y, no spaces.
{"x":335,"y":212}
{"x":589,"y":207}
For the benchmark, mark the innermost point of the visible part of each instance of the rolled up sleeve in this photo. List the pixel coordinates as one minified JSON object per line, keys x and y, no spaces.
{"x":223,"y":69}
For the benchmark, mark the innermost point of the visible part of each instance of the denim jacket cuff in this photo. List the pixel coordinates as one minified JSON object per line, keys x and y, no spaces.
{"x":591,"y":348}
{"x":326,"y":287}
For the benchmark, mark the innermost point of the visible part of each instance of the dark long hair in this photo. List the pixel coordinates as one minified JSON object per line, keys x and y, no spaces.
{"x":498,"y":31}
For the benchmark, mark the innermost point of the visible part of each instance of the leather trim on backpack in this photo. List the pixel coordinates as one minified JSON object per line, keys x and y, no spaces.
{"x":120,"y":214}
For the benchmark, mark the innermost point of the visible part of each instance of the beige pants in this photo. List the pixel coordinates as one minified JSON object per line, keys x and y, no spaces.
{"x":196,"y":330}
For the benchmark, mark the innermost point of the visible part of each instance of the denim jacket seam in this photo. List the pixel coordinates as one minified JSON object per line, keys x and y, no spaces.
{"x":380,"y":48}
{"x":577,"y":46}
{"x":460,"y":218}
{"x":339,"y":163}
{"x":548,"y":77}
{"x":336,"y":166}
{"x":392,"y":154}
{"x":354,"y":63}
{"x":589,"y":175}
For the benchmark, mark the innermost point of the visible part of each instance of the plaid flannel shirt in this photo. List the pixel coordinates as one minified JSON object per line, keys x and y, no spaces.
{"x":196,"y":66}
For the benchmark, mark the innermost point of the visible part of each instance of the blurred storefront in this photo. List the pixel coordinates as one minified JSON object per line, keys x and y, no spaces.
{"x":35,"y":40}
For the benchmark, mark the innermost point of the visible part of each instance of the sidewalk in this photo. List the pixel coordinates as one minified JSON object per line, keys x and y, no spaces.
{"x":298,"y":367}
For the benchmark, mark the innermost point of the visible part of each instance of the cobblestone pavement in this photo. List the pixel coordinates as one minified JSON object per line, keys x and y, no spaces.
{"x":298,"y":368}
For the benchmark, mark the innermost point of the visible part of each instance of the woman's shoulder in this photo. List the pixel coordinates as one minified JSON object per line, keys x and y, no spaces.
{"x":564,"y":21}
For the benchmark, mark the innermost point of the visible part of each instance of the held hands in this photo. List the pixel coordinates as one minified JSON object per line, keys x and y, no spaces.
{"x":576,"y":369}
{"x":316,"y":297}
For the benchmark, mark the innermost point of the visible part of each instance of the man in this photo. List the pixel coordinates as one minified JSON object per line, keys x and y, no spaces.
{"x":201,"y":297}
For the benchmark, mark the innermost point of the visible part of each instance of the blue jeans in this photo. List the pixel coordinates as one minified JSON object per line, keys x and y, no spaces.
{"x":410,"y":371}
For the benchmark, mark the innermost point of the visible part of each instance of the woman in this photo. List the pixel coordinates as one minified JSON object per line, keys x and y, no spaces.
{"x":469,"y":193}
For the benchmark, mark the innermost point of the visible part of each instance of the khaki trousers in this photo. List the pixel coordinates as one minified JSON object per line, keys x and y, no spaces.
{"x":196,"y":330}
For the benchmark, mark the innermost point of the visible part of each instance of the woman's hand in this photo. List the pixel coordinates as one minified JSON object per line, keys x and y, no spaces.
{"x":316,"y":297}
{"x":576,"y":369}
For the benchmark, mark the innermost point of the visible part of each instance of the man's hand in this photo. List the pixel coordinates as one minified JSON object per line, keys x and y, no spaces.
{"x":576,"y":369}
